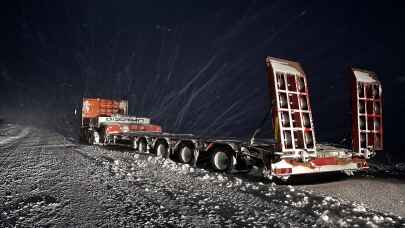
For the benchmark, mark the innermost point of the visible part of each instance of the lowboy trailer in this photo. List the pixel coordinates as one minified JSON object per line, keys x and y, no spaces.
{"x":294,"y":149}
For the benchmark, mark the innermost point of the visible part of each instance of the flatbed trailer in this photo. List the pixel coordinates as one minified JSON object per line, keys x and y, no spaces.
{"x":293,"y":151}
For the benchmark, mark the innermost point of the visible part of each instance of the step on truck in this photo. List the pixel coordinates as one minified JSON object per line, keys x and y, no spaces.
{"x":294,"y":149}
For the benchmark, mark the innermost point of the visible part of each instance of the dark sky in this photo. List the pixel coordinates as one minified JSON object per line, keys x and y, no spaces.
{"x":197,"y":66}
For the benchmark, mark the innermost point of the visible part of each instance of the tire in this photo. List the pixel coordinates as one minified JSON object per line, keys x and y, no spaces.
{"x":221,"y":159}
{"x":90,"y":140}
{"x":185,"y":154}
{"x":93,"y":138}
{"x":161,"y":150}
{"x":96,"y":137}
{"x":134,"y":144}
{"x":142,"y":147}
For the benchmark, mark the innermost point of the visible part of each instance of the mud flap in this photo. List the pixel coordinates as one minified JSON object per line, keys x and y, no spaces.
{"x":196,"y":155}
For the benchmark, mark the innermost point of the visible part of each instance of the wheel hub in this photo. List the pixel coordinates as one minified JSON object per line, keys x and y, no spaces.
{"x":96,"y":138}
{"x":141,"y":147}
{"x":221,"y":160}
{"x":186,"y":154}
{"x":161,"y":150}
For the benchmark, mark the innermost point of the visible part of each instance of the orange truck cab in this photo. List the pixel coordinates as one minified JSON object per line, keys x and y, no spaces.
{"x":103,"y":120}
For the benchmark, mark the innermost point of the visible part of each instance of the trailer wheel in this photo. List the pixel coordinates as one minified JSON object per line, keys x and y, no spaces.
{"x":185,"y":154}
{"x":90,"y":138}
{"x":142,"y":148}
{"x":161,"y":149}
{"x":221,"y":159}
{"x":134,"y":144}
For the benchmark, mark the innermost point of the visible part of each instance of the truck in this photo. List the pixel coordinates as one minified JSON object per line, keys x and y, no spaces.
{"x":293,"y":151}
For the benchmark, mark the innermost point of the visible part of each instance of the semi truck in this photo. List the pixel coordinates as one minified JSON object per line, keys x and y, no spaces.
{"x":294,"y":149}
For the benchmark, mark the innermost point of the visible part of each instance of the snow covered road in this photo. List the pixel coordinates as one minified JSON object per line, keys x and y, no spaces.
{"x":383,"y":194}
{"x":47,"y":180}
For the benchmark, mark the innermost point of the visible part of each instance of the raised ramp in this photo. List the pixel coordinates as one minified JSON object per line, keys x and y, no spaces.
{"x":367,"y":132}
{"x":291,"y":108}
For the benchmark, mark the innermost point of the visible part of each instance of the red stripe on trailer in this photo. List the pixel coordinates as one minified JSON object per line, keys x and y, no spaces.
{"x":122,"y":128}
{"x":145,"y":127}
{"x":325,"y":161}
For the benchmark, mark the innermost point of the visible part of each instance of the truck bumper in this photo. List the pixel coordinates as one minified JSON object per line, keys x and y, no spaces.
{"x":286,"y":168}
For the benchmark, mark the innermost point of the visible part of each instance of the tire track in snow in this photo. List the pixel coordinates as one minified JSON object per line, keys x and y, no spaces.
{"x":13,"y":139}
{"x":9,"y":145}
{"x":152,"y":197}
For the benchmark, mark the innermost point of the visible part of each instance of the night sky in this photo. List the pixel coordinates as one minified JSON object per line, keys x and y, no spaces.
{"x":198,"y":66}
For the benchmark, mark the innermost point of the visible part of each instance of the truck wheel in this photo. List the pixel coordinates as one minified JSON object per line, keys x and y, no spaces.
{"x":142,"y":148}
{"x":161,"y":150}
{"x":186,"y":154}
{"x":221,"y":160}
{"x":93,"y":138}
{"x":96,"y":137}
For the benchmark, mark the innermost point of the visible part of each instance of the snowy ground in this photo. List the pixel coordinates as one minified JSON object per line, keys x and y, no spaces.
{"x":47,"y":180}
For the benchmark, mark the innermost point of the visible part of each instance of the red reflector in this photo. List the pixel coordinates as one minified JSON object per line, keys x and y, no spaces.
{"x":209,"y":146}
{"x":324,"y":161}
{"x":282,"y":171}
{"x":362,"y":165}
